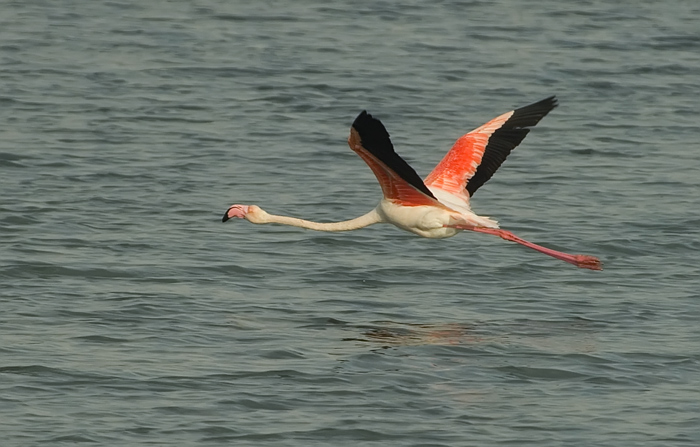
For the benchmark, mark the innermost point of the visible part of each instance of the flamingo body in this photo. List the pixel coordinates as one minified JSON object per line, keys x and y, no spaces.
{"x":426,"y":221}
{"x":440,"y":206}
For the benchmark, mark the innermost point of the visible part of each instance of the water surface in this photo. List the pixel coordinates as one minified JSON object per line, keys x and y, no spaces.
{"x":131,"y":315}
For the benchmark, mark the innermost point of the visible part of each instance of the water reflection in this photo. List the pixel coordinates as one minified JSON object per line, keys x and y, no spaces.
{"x":565,"y":336}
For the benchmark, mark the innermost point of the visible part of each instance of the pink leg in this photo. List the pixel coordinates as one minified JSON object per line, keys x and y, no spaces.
{"x":581,"y":261}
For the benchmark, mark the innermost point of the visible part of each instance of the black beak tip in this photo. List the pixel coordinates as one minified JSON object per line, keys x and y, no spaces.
{"x":225,"y":218}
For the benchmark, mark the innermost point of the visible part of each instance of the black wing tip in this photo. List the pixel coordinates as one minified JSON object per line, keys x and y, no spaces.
{"x":549,"y":103}
{"x":530,"y":115}
{"x":367,"y":123}
{"x":372,"y":133}
{"x":362,"y":118}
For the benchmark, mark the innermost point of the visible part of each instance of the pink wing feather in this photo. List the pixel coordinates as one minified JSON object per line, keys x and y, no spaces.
{"x":461,"y":162}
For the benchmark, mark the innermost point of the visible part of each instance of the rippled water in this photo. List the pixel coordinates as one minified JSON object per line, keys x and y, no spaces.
{"x":131,"y":315}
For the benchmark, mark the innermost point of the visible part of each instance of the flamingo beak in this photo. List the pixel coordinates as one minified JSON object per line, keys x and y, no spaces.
{"x":238,"y":211}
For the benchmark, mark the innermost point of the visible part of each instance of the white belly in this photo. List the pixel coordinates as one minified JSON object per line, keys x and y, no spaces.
{"x":426,"y":221}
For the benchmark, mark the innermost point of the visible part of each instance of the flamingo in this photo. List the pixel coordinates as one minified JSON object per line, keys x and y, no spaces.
{"x":438,"y":207}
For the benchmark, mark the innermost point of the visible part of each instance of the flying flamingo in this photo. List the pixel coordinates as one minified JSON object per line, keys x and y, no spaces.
{"x":438,"y":207}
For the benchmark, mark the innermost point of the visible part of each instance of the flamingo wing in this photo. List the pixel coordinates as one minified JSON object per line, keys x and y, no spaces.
{"x":476,"y":156}
{"x":399,"y":181}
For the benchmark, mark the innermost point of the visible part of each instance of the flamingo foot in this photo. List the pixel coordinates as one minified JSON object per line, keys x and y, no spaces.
{"x":587,"y":262}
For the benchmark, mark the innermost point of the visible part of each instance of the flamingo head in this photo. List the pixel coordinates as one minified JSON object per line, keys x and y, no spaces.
{"x":237,"y":211}
{"x":251,"y":213}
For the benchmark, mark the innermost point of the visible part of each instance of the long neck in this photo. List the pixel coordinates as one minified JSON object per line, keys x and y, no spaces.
{"x":353,"y":224}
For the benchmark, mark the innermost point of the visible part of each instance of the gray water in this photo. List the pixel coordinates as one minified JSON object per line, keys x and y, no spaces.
{"x":130,"y":315}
